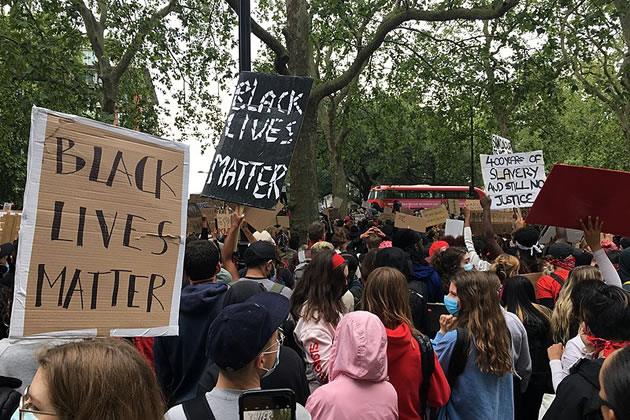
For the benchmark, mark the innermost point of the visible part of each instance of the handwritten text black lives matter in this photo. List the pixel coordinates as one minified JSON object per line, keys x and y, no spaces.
{"x":263,"y":124}
{"x":513,"y":180}
{"x":147,"y":178}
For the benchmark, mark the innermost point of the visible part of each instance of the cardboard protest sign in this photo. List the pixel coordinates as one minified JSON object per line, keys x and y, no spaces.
{"x":253,"y":156}
{"x":387,"y":216}
{"x":387,"y":210}
{"x":454,"y":228}
{"x":453,"y":206}
{"x":473,"y":205}
{"x":337,"y":202}
{"x":573,"y":235}
{"x":576,"y":192}
{"x":405,"y":210}
{"x":223,"y":223}
{"x":9,"y":227}
{"x":7,"y":206}
{"x":501,"y":146}
{"x":283,"y":221}
{"x":332,"y":213}
{"x":261,"y":219}
{"x":513,"y":180}
{"x":435,"y":216}
{"x":405,"y":221}
{"x":365,"y":205}
{"x":103,"y":231}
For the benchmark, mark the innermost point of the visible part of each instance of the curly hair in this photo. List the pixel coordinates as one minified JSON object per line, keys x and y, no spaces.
{"x":482,"y":315}
{"x":447,"y":263}
{"x":505,"y":266}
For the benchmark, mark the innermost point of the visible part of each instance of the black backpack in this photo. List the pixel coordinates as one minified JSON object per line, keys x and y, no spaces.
{"x":418,"y":304}
{"x":9,"y":397}
{"x":459,"y":357}
{"x":427,"y":358}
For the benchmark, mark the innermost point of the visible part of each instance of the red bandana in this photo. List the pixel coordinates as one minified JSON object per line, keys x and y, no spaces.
{"x":607,"y":346}
{"x":337,"y":260}
{"x":566,"y":263}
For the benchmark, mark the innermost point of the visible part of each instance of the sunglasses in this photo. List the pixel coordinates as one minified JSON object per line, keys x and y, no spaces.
{"x":26,"y":407}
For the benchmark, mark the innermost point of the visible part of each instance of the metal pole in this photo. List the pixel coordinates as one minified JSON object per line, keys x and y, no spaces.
{"x":472,"y":151}
{"x":244,"y":33}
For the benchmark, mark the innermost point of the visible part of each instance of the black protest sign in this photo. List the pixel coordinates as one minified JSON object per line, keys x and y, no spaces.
{"x":253,"y":156}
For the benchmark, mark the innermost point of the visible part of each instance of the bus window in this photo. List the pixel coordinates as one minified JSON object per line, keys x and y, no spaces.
{"x":372,"y":195}
{"x":439,"y":194}
{"x":474,"y":195}
{"x":412,"y":194}
{"x":380,"y":194}
{"x":425,"y":194}
{"x":452,"y":194}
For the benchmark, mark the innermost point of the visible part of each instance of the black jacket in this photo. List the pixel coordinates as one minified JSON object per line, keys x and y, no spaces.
{"x":577,"y":396}
{"x":180,"y":360}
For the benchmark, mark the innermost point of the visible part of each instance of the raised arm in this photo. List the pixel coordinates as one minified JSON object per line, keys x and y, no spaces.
{"x":229,"y":245}
{"x":488,"y":231}
{"x":592,"y":235}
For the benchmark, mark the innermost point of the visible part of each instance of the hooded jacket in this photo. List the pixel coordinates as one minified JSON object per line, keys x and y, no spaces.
{"x":430,"y":277}
{"x":577,"y":395}
{"x":358,"y":387}
{"x":180,"y":360}
{"x":405,"y":373}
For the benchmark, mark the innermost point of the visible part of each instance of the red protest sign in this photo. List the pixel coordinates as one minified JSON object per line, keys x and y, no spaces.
{"x":572,"y":193}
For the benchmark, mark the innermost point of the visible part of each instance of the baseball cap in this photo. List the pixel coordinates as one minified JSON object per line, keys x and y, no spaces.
{"x":241,"y":331}
{"x":264,"y":236}
{"x":258,"y":253}
{"x":6,"y":249}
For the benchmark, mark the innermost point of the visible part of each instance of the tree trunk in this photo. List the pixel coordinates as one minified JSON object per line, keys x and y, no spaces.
{"x":110,"y":96}
{"x":303,"y":202}
{"x":338,"y":175}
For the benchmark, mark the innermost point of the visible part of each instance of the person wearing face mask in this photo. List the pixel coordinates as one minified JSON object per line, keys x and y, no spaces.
{"x":260,"y":258}
{"x":473,"y":348}
{"x":291,"y":369}
{"x":244,"y":341}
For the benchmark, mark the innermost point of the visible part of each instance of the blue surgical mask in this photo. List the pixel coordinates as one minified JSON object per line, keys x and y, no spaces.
{"x":275,"y":364}
{"x":274,"y":276}
{"x":451,"y":305}
{"x":469,"y":267}
{"x":25,"y":416}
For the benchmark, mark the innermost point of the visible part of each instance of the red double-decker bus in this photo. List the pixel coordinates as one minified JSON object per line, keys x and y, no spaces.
{"x":421,"y":196}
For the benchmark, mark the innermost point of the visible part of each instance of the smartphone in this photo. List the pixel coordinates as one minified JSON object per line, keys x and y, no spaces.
{"x":272,"y":404}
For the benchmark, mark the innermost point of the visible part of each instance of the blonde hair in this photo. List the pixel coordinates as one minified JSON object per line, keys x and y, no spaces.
{"x":386,"y":296}
{"x":482,"y":315}
{"x":563,"y":317}
{"x":505,"y":266}
{"x":101,"y":379}
{"x":319,"y":247}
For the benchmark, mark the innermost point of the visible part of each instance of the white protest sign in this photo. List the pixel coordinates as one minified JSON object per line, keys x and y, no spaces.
{"x":501,"y":146}
{"x":454,"y":228}
{"x":513,"y":180}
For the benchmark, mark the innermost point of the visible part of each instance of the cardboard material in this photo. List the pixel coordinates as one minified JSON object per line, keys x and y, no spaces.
{"x":283,"y":221}
{"x":572,"y":193}
{"x":405,"y":221}
{"x":454,"y":228}
{"x":7,"y":206}
{"x":573,"y":235}
{"x":332,"y":213}
{"x":223,"y":223}
{"x":9,"y":227}
{"x":261,"y":219}
{"x":102,"y":234}
{"x":337,"y":202}
{"x":388,"y":210}
{"x":387,"y":216}
{"x":513,"y":180}
{"x":405,"y":210}
{"x":435,"y":216}
{"x":453,"y":207}
{"x":252,"y":159}
{"x":473,"y":205}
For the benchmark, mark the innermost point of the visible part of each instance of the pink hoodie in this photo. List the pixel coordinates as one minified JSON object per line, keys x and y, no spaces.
{"x":358,"y":387}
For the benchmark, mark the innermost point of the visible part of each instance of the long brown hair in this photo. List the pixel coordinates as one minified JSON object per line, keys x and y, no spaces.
{"x":386,"y":296}
{"x":101,"y":379}
{"x":481,"y":314}
{"x":318,"y":295}
{"x":564,"y":317}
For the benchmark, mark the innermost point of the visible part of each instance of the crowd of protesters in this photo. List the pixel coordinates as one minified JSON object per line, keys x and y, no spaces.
{"x":364,"y":321}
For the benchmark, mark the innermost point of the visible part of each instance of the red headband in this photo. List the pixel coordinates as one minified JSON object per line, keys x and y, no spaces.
{"x":337,"y":260}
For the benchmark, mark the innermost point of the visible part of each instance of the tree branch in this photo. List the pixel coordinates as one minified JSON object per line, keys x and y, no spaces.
{"x":93,"y":29}
{"x":138,"y":39}
{"x":282,"y":54}
{"x":392,"y":22}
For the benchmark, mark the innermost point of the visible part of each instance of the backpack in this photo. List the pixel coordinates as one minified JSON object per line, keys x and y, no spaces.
{"x":9,"y":397}
{"x":459,"y":357}
{"x":427,"y":358}
{"x":304,"y":257}
{"x":198,"y":409}
{"x":418,"y":304}
{"x":557,"y":278}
